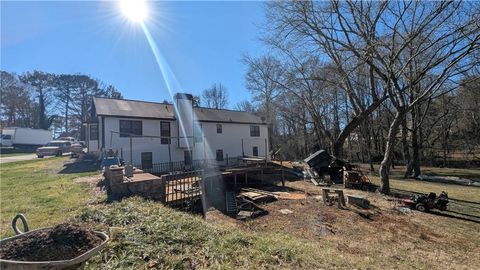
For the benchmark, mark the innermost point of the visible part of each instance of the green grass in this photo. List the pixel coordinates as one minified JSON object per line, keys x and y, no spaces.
{"x":146,"y":234}
{"x":464,"y":173}
{"x":13,"y":154}
{"x":36,"y":189}
{"x":454,"y":191}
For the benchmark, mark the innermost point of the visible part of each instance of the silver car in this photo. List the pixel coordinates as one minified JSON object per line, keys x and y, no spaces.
{"x":54,"y":148}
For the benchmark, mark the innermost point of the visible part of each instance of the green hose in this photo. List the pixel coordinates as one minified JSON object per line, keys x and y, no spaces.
{"x":24,"y":221}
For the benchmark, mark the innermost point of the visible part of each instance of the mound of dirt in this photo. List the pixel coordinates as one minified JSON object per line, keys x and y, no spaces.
{"x":62,"y":242}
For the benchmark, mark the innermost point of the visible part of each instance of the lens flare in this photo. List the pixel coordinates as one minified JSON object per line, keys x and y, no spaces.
{"x":134,"y":10}
{"x":167,"y":73}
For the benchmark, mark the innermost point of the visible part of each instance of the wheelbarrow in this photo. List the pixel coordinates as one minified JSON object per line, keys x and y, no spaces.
{"x":75,"y":263}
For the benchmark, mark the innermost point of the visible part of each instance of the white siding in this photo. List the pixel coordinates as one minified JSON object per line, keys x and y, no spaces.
{"x":230,"y":140}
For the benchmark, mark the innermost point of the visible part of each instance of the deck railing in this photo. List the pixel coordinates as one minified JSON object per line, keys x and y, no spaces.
{"x":181,"y":166}
{"x":182,"y":188}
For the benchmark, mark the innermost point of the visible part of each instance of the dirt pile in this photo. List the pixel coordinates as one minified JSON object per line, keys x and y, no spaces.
{"x":62,"y":242}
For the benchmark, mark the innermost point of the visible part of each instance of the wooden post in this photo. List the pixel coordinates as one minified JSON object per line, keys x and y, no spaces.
{"x":341,"y":198}
{"x":325,"y":196}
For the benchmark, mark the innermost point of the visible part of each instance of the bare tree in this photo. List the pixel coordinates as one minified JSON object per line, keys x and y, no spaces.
{"x":390,"y":38}
{"x":215,"y":97}
{"x":295,"y":30}
{"x":262,"y":80}
{"x":15,"y":100}
{"x":245,"y":106}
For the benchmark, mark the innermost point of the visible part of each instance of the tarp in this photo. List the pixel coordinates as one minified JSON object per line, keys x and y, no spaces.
{"x":319,"y":159}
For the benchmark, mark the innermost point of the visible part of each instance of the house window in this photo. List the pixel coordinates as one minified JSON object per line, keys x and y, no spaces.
{"x":130,"y":128}
{"x":93,"y":132}
{"x":197,"y":133}
{"x":219,"y":155}
{"x":147,"y":160}
{"x":187,"y":157}
{"x":255,"y":151}
{"x":165,"y":133}
{"x":219,"y":128}
{"x":255,"y":131}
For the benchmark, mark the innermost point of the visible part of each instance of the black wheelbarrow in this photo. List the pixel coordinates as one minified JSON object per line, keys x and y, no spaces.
{"x":75,"y":263}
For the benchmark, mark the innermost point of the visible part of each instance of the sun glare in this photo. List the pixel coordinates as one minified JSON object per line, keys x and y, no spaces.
{"x":134,"y":10}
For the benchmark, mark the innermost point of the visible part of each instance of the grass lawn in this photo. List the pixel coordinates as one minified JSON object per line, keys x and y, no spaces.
{"x":147,"y":235}
{"x":465,"y":173}
{"x":454,"y":191}
{"x":13,"y":154}
{"x":36,"y":189}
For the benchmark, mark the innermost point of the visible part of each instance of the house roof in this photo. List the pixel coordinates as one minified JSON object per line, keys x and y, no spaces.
{"x":133,"y":108}
{"x":154,"y":110}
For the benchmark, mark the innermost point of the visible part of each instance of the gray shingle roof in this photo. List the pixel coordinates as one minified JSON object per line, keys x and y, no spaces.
{"x":131,"y":108}
{"x":142,"y":109}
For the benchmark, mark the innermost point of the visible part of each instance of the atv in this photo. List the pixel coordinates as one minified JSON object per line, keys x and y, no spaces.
{"x":426,"y":202}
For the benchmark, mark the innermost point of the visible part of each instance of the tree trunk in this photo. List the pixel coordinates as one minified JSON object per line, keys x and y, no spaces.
{"x":406,"y":150}
{"x":388,"y":155}
{"x":352,"y":125}
{"x":66,"y":114}
{"x":413,"y":168}
{"x":416,"y":155}
{"x":369,"y":143}
{"x":305,"y":139}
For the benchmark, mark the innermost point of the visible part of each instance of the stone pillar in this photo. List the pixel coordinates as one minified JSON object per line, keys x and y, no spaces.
{"x":117,"y":187}
{"x":115,"y":175}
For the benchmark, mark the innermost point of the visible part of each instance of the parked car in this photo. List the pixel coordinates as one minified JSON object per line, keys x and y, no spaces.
{"x":54,"y":148}
{"x":76,"y":149}
{"x":70,"y":139}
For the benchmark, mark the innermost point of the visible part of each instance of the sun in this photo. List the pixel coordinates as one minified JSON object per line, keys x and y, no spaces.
{"x":134,"y":10}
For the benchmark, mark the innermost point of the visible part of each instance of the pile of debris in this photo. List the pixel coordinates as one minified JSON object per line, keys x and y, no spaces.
{"x":326,"y":169}
{"x":246,"y":204}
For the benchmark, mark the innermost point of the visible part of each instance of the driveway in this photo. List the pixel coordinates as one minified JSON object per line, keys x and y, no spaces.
{"x":4,"y":160}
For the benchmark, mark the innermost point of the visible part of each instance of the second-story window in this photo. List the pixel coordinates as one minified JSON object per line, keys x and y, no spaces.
{"x":130,"y":128}
{"x":94,"y":132}
{"x":165,"y":132}
{"x":255,"y":131}
{"x":219,"y":128}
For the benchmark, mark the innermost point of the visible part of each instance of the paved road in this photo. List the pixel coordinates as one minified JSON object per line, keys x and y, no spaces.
{"x":17,"y":158}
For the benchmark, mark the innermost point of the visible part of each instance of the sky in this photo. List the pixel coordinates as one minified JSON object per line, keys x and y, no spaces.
{"x":202,"y":42}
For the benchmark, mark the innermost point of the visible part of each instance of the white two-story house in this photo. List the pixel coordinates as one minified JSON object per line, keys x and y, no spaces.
{"x":145,"y":133}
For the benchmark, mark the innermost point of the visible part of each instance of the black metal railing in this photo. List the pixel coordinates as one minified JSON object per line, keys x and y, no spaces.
{"x":181,"y":166}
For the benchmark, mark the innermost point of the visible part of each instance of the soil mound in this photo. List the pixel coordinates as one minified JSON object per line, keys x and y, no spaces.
{"x":62,"y":242}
